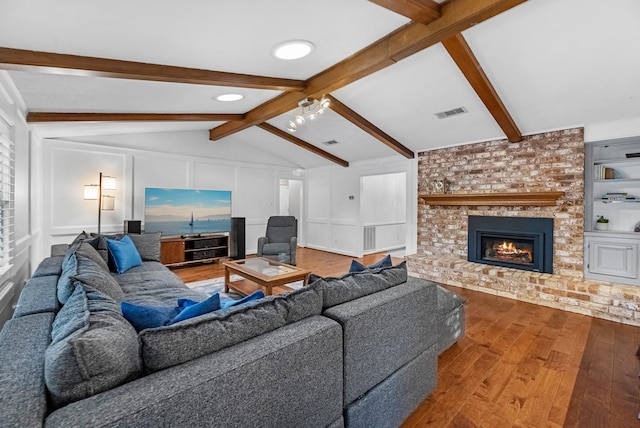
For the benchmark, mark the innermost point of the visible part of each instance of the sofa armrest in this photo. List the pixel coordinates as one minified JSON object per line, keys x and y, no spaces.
{"x":384,"y":331}
{"x":23,"y":342}
{"x":59,"y":249}
{"x":243,"y":385}
{"x":261,"y":241}
{"x":39,"y":295}
{"x":294,"y":246}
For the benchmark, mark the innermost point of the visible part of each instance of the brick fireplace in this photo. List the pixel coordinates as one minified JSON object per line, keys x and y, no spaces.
{"x":542,"y":164}
{"x":524,"y":243}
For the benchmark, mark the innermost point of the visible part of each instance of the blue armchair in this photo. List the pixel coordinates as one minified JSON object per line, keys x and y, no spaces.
{"x":281,"y":239}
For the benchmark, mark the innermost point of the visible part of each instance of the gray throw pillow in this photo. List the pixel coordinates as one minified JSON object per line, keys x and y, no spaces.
{"x":69,"y":268}
{"x":93,"y":348}
{"x":87,"y":250}
{"x":91,"y":274}
{"x":355,"y":285}
{"x":148,"y":245}
{"x":81,"y":237}
{"x":168,"y":346}
{"x":100,"y":244}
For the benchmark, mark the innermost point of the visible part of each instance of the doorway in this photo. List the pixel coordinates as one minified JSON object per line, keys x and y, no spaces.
{"x":291,"y":201}
{"x":383,"y":208}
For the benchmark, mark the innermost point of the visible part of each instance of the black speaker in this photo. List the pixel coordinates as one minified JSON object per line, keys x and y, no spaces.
{"x":237,"y":239}
{"x":133,"y":226}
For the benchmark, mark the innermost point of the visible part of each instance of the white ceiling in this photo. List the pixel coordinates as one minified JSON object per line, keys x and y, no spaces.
{"x":554,"y":63}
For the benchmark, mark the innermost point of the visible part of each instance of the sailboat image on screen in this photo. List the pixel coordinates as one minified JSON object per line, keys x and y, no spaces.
{"x":187,"y":212}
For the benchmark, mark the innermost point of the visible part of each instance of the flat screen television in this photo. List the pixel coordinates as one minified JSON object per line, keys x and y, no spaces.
{"x":186,"y":212}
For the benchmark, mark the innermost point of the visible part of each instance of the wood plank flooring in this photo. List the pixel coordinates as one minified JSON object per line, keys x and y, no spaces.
{"x":519,"y":364}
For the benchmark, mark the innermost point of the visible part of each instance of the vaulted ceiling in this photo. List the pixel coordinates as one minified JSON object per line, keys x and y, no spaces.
{"x":126,"y":71}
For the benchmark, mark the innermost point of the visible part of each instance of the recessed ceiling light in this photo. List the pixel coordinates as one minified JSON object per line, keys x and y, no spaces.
{"x":293,"y":49}
{"x":229,"y":97}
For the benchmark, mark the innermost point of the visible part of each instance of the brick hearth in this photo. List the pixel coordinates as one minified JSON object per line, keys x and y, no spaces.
{"x":552,"y":161}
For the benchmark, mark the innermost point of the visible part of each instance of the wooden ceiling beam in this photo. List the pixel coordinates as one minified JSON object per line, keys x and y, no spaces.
{"x":467,"y":63}
{"x":422,"y":11}
{"x":457,"y":15}
{"x":43,"y":117}
{"x":368,"y":127}
{"x":74,"y":65}
{"x":301,"y":143}
{"x":275,"y":107}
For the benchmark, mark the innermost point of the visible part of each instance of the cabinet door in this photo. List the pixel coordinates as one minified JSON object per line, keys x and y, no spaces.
{"x":608,"y":257}
{"x":172,"y":251}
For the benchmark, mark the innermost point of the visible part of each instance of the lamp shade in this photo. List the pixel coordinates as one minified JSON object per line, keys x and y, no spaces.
{"x":108,"y":183}
{"x":91,"y":191}
{"x":108,"y":202}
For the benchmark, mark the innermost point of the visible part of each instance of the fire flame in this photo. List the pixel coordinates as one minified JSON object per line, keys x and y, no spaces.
{"x":509,"y":249}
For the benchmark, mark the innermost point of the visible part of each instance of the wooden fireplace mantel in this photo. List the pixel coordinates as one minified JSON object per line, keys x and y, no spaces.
{"x":498,"y":199}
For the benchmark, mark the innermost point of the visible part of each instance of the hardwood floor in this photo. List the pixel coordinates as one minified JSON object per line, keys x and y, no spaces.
{"x":519,"y":364}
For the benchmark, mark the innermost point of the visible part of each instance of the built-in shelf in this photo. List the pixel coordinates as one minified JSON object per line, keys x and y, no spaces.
{"x":616,"y":160}
{"x":499,"y":199}
{"x":618,"y":180}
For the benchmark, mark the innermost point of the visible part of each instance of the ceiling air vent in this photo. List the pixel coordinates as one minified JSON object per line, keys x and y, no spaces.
{"x":452,"y":112}
{"x":330,"y":142}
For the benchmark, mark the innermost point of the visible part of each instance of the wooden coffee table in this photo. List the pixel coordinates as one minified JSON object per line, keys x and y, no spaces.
{"x":264,"y":272}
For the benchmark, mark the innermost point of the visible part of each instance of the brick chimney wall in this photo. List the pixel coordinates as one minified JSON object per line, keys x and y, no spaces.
{"x":551,"y":161}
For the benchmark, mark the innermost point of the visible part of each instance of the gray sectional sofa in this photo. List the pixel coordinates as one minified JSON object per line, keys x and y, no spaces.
{"x":356,"y":351}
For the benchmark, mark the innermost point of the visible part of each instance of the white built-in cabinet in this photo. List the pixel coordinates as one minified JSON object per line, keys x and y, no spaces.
{"x":612,"y":190}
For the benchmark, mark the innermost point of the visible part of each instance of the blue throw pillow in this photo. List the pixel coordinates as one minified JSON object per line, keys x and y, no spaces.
{"x":253,"y":296}
{"x":356,"y":266}
{"x":141,"y":317}
{"x":190,"y":310}
{"x":123,"y":253}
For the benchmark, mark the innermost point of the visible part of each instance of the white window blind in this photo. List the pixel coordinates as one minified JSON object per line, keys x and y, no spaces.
{"x":7,"y":166}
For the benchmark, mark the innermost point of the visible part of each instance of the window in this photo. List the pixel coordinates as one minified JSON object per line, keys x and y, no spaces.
{"x":7,"y":165}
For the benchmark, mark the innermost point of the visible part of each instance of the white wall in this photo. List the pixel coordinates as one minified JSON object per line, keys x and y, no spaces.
{"x":334,"y":221}
{"x":68,"y":166}
{"x":629,"y":127}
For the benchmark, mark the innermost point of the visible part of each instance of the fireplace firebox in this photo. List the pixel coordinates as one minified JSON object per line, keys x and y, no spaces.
{"x":517,"y":242}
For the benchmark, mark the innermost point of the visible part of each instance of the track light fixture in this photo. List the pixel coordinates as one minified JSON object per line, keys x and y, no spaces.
{"x":309,"y":110}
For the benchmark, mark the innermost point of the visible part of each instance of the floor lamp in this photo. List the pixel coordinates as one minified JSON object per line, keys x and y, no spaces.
{"x":106,"y":201}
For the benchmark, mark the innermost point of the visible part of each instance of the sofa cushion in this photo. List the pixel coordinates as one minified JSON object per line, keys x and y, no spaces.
{"x":91,"y":274}
{"x":69,"y":267}
{"x":171,"y":345}
{"x":276,"y":248}
{"x":93,"y":348}
{"x":148,"y":245}
{"x":152,"y":284}
{"x":355,"y":285}
{"x":87,"y":250}
{"x":356,"y":266}
{"x":123,"y":254}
